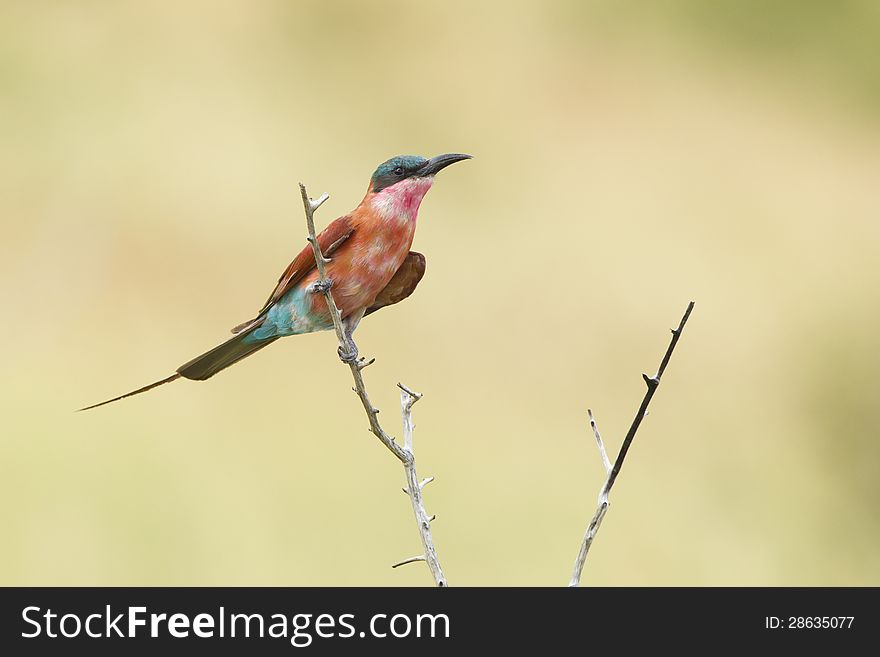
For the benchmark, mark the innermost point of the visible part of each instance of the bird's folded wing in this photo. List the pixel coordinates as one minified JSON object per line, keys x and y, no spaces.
{"x":402,"y":284}
{"x":330,"y":239}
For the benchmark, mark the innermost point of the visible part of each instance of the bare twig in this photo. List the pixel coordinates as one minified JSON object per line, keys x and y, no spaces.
{"x":613,"y":471}
{"x":407,"y":399}
{"x":414,"y":487}
{"x":403,"y":562}
{"x":599,"y":443}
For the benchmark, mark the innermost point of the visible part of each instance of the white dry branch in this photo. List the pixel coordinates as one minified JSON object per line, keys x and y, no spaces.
{"x":612,"y":471}
{"x":407,"y":399}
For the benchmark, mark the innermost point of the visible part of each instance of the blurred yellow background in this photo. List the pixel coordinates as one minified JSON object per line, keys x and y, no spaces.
{"x":629,"y":157}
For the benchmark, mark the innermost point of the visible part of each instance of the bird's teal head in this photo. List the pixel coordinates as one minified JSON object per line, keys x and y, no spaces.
{"x":405,"y":167}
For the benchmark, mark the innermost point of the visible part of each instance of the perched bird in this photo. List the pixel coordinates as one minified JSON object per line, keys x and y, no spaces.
{"x":370,"y":267}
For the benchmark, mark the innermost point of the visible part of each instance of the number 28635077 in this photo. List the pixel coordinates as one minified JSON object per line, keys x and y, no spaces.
{"x":808,"y":622}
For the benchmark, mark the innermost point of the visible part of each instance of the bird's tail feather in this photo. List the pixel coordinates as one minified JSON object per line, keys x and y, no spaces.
{"x":222,"y":356}
{"x":204,"y":366}
{"x":171,"y":378}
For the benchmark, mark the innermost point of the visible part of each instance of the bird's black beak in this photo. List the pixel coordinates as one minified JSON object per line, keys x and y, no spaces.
{"x":439,"y":162}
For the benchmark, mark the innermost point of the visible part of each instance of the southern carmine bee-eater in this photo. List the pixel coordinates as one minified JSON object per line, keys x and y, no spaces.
{"x":370,"y":267}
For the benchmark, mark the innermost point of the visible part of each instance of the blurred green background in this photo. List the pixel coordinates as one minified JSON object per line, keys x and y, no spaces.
{"x":629,"y":157}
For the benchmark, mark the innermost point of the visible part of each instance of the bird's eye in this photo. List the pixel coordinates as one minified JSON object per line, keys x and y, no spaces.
{"x":398,"y":171}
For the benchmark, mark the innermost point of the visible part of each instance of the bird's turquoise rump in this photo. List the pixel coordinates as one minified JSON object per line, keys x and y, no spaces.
{"x":291,"y":315}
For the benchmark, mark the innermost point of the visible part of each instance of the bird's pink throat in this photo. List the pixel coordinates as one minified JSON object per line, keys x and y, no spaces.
{"x":402,"y":199}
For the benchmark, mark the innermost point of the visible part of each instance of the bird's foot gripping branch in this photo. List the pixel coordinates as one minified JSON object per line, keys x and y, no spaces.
{"x":321,"y":287}
{"x":348,"y":353}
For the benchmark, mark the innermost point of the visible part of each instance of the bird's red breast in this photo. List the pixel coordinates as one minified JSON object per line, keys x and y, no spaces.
{"x":383,"y":227}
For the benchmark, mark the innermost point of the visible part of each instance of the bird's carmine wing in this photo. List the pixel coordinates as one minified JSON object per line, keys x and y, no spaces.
{"x":329,"y":239}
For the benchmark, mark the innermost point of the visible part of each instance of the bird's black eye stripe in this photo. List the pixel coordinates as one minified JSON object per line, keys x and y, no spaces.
{"x":398,"y":171}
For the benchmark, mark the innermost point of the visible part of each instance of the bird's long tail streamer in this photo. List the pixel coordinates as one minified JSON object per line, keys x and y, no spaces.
{"x":171,"y":378}
{"x":208,"y":364}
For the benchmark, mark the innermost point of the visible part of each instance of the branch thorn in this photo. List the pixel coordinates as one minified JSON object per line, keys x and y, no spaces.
{"x":410,"y":560}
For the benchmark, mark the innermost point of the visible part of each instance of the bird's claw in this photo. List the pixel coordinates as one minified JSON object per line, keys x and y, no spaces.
{"x":348,"y":353}
{"x":322,"y":286}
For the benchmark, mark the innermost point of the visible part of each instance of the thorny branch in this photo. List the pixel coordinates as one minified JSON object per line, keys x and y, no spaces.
{"x":408,"y":398}
{"x":613,"y":471}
